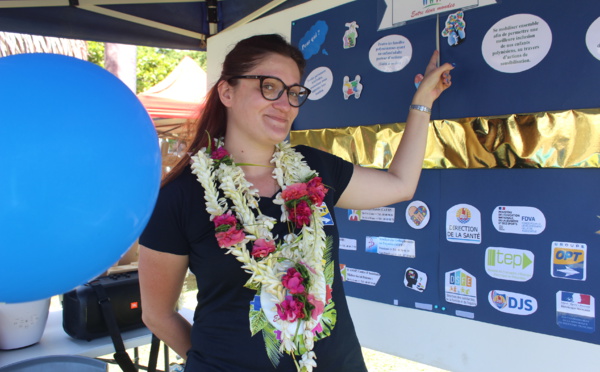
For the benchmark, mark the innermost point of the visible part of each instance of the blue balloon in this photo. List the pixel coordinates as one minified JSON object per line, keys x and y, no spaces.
{"x":80,"y":170}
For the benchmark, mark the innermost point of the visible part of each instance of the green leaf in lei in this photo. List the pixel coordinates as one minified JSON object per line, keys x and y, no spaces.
{"x":258,"y":321}
{"x":272,"y":345}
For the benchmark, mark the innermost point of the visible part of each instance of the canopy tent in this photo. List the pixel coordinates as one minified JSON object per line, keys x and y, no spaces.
{"x":176,"y":24}
{"x":177,"y":99}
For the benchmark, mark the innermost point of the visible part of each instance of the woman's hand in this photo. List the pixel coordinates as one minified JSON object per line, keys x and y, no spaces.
{"x":435,"y":81}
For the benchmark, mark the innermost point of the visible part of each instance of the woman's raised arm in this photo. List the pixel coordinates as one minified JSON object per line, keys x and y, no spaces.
{"x":371,"y":188}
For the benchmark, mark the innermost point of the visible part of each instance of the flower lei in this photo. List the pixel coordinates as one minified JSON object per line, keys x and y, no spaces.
{"x":296,"y":272}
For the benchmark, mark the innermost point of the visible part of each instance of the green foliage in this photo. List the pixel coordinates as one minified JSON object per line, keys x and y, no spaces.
{"x":96,"y":53}
{"x":153,"y":64}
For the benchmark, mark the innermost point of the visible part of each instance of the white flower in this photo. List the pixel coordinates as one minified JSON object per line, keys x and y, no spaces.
{"x":308,"y":361}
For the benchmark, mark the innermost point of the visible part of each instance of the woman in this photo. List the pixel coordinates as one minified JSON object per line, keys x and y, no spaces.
{"x":276,"y":302}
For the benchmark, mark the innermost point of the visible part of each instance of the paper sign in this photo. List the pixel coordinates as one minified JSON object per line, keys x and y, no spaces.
{"x":398,"y":12}
{"x":519,"y":220}
{"x":576,"y":311}
{"x":509,"y":264}
{"x":390,"y":53}
{"x":461,"y":288}
{"x":516,"y":43}
{"x":463,"y":224}
{"x":512,"y":303}
{"x":362,"y":276}
{"x":319,"y":81}
{"x":390,"y":246}
{"x":377,"y":215}
{"x":569,"y":260}
{"x":348,"y":244}
{"x":592,"y":38}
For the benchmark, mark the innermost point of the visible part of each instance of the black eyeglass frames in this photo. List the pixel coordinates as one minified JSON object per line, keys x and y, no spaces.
{"x":272,"y":88}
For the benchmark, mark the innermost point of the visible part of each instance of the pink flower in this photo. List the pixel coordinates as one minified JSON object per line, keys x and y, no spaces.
{"x":230,"y":237}
{"x":290,"y":309}
{"x":318,"y":304}
{"x":219,"y":153}
{"x":300,"y":214}
{"x":293,"y":281}
{"x":316,"y":190}
{"x":262,"y":248}
{"x":225,"y":219}
{"x":294,"y":192}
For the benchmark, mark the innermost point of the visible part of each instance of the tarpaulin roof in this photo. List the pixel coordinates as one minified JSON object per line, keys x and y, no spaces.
{"x":176,"y":100}
{"x":176,"y":24}
{"x":179,"y":95}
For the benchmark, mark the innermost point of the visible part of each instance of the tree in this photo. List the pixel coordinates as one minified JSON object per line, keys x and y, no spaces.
{"x":153,"y":64}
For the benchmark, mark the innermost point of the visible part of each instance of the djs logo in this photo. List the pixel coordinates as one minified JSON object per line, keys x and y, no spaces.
{"x":569,"y":260}
{"x":512,"y":303}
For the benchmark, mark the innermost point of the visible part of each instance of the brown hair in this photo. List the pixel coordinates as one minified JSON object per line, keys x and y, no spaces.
{"x":242,"y":58}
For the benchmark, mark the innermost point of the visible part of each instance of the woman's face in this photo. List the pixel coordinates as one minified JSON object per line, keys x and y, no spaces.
{"x":250,"y":117}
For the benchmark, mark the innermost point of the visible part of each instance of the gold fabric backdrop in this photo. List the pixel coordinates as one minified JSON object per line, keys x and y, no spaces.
{"x":561,"y":139}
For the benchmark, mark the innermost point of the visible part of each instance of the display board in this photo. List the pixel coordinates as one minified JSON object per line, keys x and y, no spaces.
{"x":512,"y":247}
{"x":511,"y":56}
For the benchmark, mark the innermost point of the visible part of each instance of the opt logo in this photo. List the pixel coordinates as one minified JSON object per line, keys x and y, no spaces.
{"x":512,"y":303}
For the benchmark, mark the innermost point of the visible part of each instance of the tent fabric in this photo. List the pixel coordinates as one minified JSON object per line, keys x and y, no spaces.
{"x":179,"y":95}
{"x":175,"y":24}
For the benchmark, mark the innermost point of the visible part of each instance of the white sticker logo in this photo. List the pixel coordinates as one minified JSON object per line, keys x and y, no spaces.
{"x":512,"y":303}
{"x":509,"y":264}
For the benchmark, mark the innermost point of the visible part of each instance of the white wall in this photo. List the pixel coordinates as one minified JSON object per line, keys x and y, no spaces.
{"x":462,"y":345}
{"x":447,"y":342}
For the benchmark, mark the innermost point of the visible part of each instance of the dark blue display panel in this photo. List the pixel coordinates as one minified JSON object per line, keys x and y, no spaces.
{"x":565,"y":78}
{"x":535,"y":250}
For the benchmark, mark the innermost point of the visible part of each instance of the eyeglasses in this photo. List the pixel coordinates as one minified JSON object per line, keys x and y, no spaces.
{"x":272,"y":88}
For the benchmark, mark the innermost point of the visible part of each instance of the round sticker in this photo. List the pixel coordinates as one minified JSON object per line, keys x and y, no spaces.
{"x":516,"y":43}
{"x":319,"y":82}
{"x":417,"y":214}
{"x":390,"y":53}
{"x":592,"y":38}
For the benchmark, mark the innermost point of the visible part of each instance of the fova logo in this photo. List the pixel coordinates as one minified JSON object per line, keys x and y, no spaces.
{"x":512,"y":303}
{"x":509,"y":263}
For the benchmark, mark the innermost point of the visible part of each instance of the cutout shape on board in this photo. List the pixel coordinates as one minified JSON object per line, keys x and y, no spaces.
{"x":311,"y":42}
{"x":455,"y":28}
{"x":417,"y":214}
{"x":415,"y":280}
{"x":516,"y":43}
{"x":352,"y":88}
{"x":350,"y":36}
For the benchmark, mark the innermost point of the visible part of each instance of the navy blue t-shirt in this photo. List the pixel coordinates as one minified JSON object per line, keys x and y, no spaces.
{"x":221,"y":339}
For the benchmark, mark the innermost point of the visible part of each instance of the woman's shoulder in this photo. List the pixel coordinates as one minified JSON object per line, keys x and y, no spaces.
{"x":183,"y":184}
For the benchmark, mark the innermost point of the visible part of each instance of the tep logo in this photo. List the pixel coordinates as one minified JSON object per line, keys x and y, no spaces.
{"x":509,"y":263}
